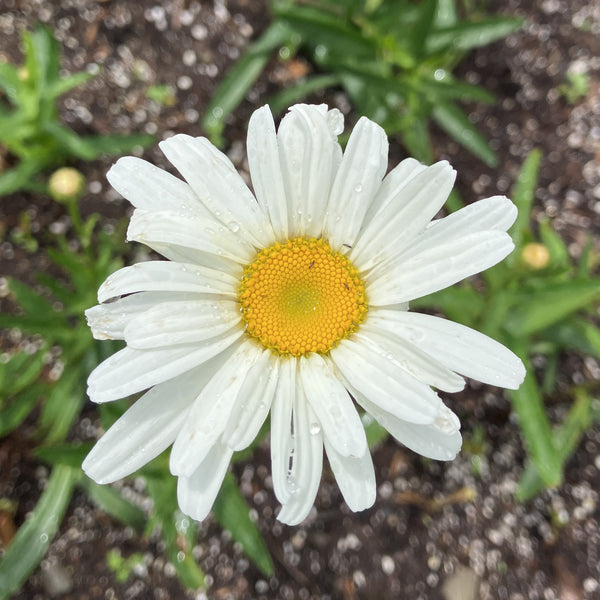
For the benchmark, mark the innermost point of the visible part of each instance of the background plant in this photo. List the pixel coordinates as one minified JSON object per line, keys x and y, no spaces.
{"x":538,"y":302}
{"x":32,"y":138}
{"x":393,"y":58}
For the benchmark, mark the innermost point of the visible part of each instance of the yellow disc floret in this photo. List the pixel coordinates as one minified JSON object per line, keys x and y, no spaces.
{"x":301,"y":296}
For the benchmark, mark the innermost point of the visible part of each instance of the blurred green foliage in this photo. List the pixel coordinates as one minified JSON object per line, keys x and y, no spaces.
{"x":393,"y":58}
{"x":32,"y":138}
{"x":538,"y":302}
{"x":53,"y":312}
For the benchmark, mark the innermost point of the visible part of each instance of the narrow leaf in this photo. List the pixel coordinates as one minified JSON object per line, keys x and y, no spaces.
{"x":34,"y":536}
{"x":232,"y":512}
{"x":457,"y":125}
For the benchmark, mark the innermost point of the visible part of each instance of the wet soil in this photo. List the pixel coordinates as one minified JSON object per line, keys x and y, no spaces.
{"x":437,"y":531}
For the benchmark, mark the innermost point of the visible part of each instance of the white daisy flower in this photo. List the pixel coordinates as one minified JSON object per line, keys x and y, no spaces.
{"x":291,"y":302}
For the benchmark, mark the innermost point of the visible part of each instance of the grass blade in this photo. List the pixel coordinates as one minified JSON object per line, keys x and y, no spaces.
{"x":457,"y":125}
{"x":232,"y":512}
{"x":34,"y":536}
{"x":535,"y":425}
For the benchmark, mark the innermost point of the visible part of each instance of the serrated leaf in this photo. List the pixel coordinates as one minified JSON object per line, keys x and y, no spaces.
{"x":232,"y":512}
{"x":34,"y":536}
{"x":457,"y":125}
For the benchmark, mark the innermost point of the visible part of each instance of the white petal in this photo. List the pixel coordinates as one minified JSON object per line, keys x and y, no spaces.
{"x":409,"y":357}
{"x":440,"y":440}
{"x":148,"y":427}
{"x":182,"y":322}
{"x":210,"y":411}
{"x":437,"y":267}
{"x":130,"y":371}
{"x":497,"y":213}
{"x":459,"y":348}
{"x":163,"y":276}
{"x":107,"y":321}
{"x":333,"y":406}
{"x":197,"y":493}
{"x":188,"y":232}
{"x":308,"y":153}
{"x":358,"y":178}
{"x":404,"y":216}
{"x":281,"y":427}
{"x":378,"y":378}
{"x":391,"y":185}
{"x":150,"y":188}
{"x":220,"y":187}
{"x":253,"y":403}
{"x":307,"y":463}
{"x":265,"y":169}
{"x":355,"y":477}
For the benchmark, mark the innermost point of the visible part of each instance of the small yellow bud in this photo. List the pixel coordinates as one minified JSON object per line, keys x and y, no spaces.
{"x":535,"y":256}
{"x":23,"y":73}
{"x":66,"y":184}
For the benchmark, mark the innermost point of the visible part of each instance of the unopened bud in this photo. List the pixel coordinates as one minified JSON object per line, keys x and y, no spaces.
{"x":535,"y":256}
{"x":66,"y":184}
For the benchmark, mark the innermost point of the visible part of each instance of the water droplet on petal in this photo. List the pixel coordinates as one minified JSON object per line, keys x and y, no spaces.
{"x":315,"y":428}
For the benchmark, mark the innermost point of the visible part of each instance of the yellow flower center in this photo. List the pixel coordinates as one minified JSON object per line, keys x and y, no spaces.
{"x":301,"y":297}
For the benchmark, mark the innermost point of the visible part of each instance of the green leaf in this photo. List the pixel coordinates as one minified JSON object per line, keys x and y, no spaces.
{"x":68,"y":453}
{"x":19,"y":177}
{"x":523,"y":195}
{"x":534,"y":424}
{"x":446,"y":14}
{"x":89,"y":148}
{"x":20,"y":371}
{"x":538,"y":309}
{"x":63,"y":404}
{"x":559,"y":253}
{"x":297,"y":92}
{"x":457,"y":125}
{"x":466,"y":36}
{"x":415,"y":137}
{"x":13,"y":414}
{"x":111,"y":501}
{"x":232,"y":512}
{"x":420,"y":31}
{"x":574,"y":334}
{"x":63,"y":85}
{"x":567,"y":436}
{"x":34,"y":536}
{"x":240,"y":78}
{"x":162,"y":490}
{"x":30,"y":301}
{"x":9,"y":81}
{"x":374,"y":431}
{"x":462,"y":304}
{"x":449,"y":88}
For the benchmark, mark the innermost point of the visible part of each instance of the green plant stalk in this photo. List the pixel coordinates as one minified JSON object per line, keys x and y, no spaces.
{"x":34,"y":536}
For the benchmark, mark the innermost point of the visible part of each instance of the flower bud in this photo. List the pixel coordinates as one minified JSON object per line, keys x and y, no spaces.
{"x":66,"y":185}
{"x":535,"y":256}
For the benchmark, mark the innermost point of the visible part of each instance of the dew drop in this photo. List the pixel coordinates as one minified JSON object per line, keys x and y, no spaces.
{"x":358,"y":188}
{"x":233,"y":226}
{"x":315,"y":428}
